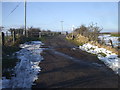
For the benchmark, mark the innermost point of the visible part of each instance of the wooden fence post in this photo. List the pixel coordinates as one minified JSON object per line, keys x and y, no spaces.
{"x":111,"y":43}
{"x":2,"y":39}
{"x":53,"y":34}
{"x":27,"y":33}
{"x":11,"y":33}
{"x":6,"y":33}
{"x":14,"y":36}
{"x":39,"y":34}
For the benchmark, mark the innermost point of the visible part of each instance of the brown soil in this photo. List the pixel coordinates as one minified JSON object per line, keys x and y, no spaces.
{"x":58,"y":71}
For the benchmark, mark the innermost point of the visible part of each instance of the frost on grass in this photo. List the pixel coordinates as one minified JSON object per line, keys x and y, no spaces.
{"x":110,"y":59}
{"x":27,"y":68}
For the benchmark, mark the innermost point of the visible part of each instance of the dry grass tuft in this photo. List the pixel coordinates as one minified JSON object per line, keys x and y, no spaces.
{"x":82,"y":40}
{"x":104,"y":46}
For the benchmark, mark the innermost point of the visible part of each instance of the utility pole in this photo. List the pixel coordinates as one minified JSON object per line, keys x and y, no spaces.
{"x":62,"y":25}
{"x":25,"y":17}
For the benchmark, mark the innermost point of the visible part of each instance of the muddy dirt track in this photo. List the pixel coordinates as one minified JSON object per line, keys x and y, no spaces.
{"x":66,"y":66}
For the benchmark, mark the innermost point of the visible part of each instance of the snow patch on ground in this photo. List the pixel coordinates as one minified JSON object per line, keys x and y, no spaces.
{"x":106,"y":38}
{"x":110,"y":59}
{"x":27,"y":68}
{"x":0,"y":84}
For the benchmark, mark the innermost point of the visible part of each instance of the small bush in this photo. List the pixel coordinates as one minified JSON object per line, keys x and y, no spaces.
{"x":92,"y":48}
{"x":9,"y":62}
{"x":7,"y":65}
{"x":103,"y":54}
{"x":7,"y":74}
{"x":92,"y":31}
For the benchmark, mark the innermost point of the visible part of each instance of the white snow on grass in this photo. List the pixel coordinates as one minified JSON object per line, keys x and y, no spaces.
{"x":110,"y":59}
{"x":27,"y":69}
{"x":0,"y":84}
{"x":106,"y":38}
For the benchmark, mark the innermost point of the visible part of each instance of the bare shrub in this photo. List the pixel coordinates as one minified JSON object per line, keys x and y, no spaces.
{"x":92,"y":32}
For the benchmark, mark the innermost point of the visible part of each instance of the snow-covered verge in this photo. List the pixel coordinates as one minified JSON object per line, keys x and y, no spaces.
{"x":106,"y":38}
{"x":0,"y":84}
{"x":27,"y":69}
{"x":110,"y":59}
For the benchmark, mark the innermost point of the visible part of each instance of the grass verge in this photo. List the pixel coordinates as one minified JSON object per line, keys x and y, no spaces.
{"x":80,"y":40}
{"x":116,"y":35}
{"x":8,"y":59}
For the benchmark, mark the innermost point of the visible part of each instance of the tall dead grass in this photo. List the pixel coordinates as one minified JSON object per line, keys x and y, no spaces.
{"x":82,"y":40}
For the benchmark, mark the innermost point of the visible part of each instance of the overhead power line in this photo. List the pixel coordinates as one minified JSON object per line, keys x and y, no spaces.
{"x":15,"y":8}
